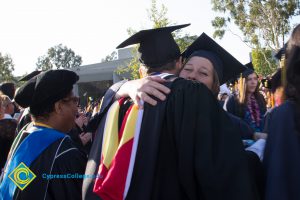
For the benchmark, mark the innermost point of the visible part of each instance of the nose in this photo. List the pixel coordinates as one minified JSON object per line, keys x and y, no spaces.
{"x":192,"y":76}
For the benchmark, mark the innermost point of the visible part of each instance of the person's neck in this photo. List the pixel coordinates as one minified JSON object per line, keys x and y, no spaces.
{"x":49,"y":123}
{"x":170,"y":72}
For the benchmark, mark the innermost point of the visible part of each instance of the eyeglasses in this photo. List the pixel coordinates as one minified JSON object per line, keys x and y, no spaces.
{"x":74,"y":99}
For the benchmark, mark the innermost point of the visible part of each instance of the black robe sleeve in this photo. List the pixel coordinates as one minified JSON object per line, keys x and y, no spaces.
{"x":71,"y":163}
{"x":246,"y":132}
{"x":211,"y":160}
{"x":230,"y":105}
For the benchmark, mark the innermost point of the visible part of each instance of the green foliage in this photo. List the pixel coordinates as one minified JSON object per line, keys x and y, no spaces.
{"x":59,"y":57}
{"x":132,"y":67}
{"x":263,"y":61}
{"x":6,"y":68}
{"x":264,"y":24}
{"x":159,"y":19}
{"x":158,"y":16}
{"x":184,"y":41}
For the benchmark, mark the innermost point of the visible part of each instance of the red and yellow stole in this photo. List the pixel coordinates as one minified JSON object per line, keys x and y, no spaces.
{"x":118,"y":152}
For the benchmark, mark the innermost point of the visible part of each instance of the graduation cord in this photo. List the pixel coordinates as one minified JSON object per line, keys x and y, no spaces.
{"x":42,"y":125}
{"x":254,"y":110}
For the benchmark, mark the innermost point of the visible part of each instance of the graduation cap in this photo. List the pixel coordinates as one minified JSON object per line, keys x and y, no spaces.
{"x":30,"y":76}
{"x":266,"y":82}
{"x":8,"y":88}
{"x":276,"y":81}
{"x":249,"y":70}
{"x":46,"y":88}
{"x":157,"y":46}
{"x":226,"y":66}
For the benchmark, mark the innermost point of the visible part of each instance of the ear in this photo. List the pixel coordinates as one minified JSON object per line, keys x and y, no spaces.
{"x":58,"y":107}
{"x":179,"y":64}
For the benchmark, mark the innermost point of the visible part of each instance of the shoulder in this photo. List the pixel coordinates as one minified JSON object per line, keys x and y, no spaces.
{"x":284,"y":109}
{"x":66,"y":149}
{"x":230,"y":103}
{"x":68,"y":157}
{"x":281,"y":115}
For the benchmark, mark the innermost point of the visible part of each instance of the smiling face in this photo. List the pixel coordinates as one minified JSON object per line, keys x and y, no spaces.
{"x":199,"y":69}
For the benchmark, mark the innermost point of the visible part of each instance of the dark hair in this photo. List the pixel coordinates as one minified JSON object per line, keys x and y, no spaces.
{"x":293,"y":75}
{"x":242,"y":97}
{"x":292,"y":88}
{"x":216,"y":84}
{"x":168,"y":66}
{"x":293,"y":41}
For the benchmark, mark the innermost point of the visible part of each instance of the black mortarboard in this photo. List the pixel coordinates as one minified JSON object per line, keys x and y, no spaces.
{"x":273,"y":82}
{"x":276,"y":80}
{"x":29,"y":76}
{"x":226,"y":66}
{"x":8,"y":88}
{"x":157,"y":46}
{"x":281,"y":52}
{"x":266,"y":82}
{"x":46,"y":88}
{"x":249,"y":70}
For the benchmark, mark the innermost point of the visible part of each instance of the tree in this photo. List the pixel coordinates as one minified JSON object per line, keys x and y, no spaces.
{"x":6,"y":68}
{"x":59,"y":57}
{"x":112,"y":56}
{"x":159,"y":19}
{"x":264,"y":24}
{"x":260,"y":64}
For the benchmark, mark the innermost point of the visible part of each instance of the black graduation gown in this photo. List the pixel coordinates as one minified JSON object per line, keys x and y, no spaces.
{"x":74,"y":134}
{"x":68,"y":160}
{"x":282,"y":154}
{"x":7,"y":134}
{"x":188,"y":149}
{"x":231,"y":105}
{"x":245,"y":130}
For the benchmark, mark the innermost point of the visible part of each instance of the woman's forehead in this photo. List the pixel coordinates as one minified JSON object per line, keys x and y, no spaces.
{"x":200,"y":62}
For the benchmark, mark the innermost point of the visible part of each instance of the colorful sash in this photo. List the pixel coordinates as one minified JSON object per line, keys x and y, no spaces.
{"x":33,"y":145}
{"x":118,"y":152}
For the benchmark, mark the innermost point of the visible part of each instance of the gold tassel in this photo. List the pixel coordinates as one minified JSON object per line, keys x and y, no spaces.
{"x":283,"y":71}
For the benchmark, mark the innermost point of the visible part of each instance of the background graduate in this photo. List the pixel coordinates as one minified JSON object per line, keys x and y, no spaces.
{"x":210,"y":64}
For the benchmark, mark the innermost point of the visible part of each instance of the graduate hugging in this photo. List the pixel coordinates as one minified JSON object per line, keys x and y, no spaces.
{"x":185,"y":147}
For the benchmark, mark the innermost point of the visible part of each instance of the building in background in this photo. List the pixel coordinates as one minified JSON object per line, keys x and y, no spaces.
{"x":95,"y":79}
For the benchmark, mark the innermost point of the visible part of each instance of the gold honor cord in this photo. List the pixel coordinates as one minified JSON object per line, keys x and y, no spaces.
{"x":41,"y":124}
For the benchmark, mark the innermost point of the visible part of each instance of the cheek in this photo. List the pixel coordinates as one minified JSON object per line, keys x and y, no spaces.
{"x":183,"y":74}
{"x":255,"y":82}
{"x":206,"y":81}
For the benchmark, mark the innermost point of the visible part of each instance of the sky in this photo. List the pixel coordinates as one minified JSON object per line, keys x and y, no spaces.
{"x":93,"y":28}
